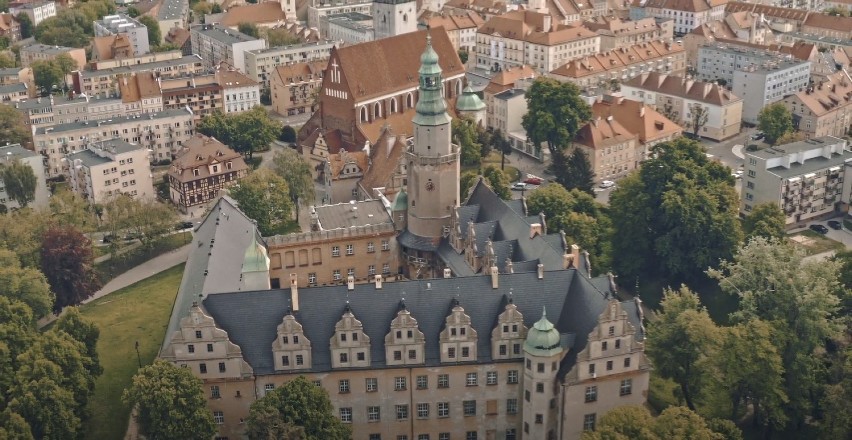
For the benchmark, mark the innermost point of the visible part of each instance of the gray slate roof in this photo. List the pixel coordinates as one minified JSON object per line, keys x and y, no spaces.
{"x":342,"y":215}
{"x":88,"y":158}
{"x":251,"y":318}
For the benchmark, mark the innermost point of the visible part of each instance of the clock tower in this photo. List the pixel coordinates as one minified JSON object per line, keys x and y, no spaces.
{"x":433,"y":161}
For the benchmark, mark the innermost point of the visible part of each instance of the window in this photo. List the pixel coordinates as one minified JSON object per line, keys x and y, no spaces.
{"x":335,"y":251}
{"x":471,"y":435}
{"x":397,"y":355}
{"x":422,"y":410}
{"x":626,"y":362}
{"x":591,"y":394}
{"x":221,"y":367}
{"x":190,"y":348}
{"x":198,"y":334}
{"x":465,"y":351}
{"x":612,"y":330}
{"x":444,"y":436}
{"x":371,"y":247}
{"x":202,"y":368}
{"x":402,"y":412}
{"x":491,"y":378}
{"x":218,"y":417}
{"x":401,"y":436}
{"x":539,"y":419}
{"x":374,"y":414}
{"x":443,"y":409}
{"x":412,"y":354}
{"x":400,"y":383}
{"x":350,"y":250}
{"x":312,"y":278}
{"x":422,"y":382}
{"x":591,"y":368}
{"x":511,"y":434}
{"x":512,"y":376}
{"x":371,"y":270}
{"x":527,"y":395}
{"x":540,"y":367}
{"x":451,"y":352}
{"x":269,"y":387}
{"x":503,"y":350}
{"x":209,"y":348}
{"x":608,"y":365}
{"x":214,"y":392}
{"x":603,"y":345}
{"x":423,"y":437}
{"x":285,"y":360}
{"x":385,"y":245}
{"x":385,"y":268}
{"x":539,"y":387}
{"x":626,"y":388}
{"x":285,"y":340}
{"x":375,"y":437}
{"x":617,"y":344}
{"x":443,"y":381}
{"x":516,"y":349}
{"x":346,"y":415}
{"x":471,"y":379}
{"x":343,"y":385}
{"x":469,"y":407}
{"x":300,"y":360}
{"x":336,"y":275}
{"x":372,"y":384}
{"x":589,"y":422}
{"x":511,"y":406}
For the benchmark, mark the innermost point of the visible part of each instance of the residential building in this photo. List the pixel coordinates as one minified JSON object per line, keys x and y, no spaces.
{"x":216,"y":43}
{"x":43,"y":52}
{"x":347,"y":27}
{"x":486,"y":9}
{"x":172,"y":14}
{"x":393,"y":17}
{"x":780,"y":18}
{"x":112,"y":47}
{"x":140,"y":93}
{"x":263,"y":14}
{"x":616,"y":33}
{"x":823,"y":109}
{"x":58,"y":109}
{"x":509,"y":108}
{"x":18,"y":75}
{"x":108,"y":168}
{"x":261,"y":63}
{"x":613,"y":151}
{"x":460,"y":26}
{"x":602,"y":70}
{"x":239,"y":92}
{"x":118,"y":24}
{"x":37,"y":11}
{"x":829,"y":26}
{"x":531,"y":38}
{"x":295,"y":87}
{"x":806,"y":179}
{"x":348,"y":242}
{"x":180,"y":37}
{"x":201,"y":171}
{"x":163,"y":133}
{"x":10,"y":28}
{"x":320,"y":8}
{"x":719,"y":61}
{"x":200,"y":93}
{"x":16,"y":153}
{"x":337,"y":171}
{"x":110,"y":62}
{"x":500,"y":82}
{"x":677,"y":96}
{"x":639,"y":118}
{"x":827,"y":43}
{"x":14,"y":92}
{"x":687,"y":14}
{"x":104,"y":82}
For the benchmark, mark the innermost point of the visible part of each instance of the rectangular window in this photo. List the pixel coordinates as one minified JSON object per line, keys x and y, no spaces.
{"x":589,"y":422}
{"x":397,"y":355}
{"x":385,"y":245}
{"x":343,"y":385}
{"x":372,"y":384}
{"x":202,"y":368}
{"x":503,"y":350}
{"x":285,"y":360}
{"x":190,"y":348}
{"x":471,"y":380}
{"x":221,"y":367}
{"x":198,"y":334}
{"x":412,"y":354}
{"x":603,"y":346}
{"x":423,"y":437}
{"x":469,"y":407}
{"x":511,"y":406}
{"x":626,"y":362}
{"x":214,"y":392}
{"x":371,"y":247}
{"x":422,"y":410}
{"x":374,"y":414}
{"x":269,"y":387}
{"x":512,"y":376}
{"x":402,"y":412}
{"x":626,"y":388}
{"x":399,"y":383}
{"x":491,"y":378}
{"x":471,"y":435}
{"x":371,"y":270}
{"x":335,"y":251}
{"x":385,"y":268}
{"x":346,"y":415}
{"x":465,"y":351}
{"x":540,"y":367}
{"x":539,"y":387}
{"x":591,"y":368}
{"x":443,"y":381}
{"x":422,"y":382}
{"x":375,"y":437}
{"x":444,"y":436}
{"x":300,"y":360}
{"x":591,"y":394}
{"x":312,"y":278}
{"x":218,"y":417}
{"x":443,"y":409}
{"x":608,"y":365}
{"x":209,"y":348}
{"x":451,"y":352}
{"x":350,"y":249}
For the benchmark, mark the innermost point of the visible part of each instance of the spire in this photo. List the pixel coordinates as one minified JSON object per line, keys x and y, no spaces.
{"x":431,"y":106}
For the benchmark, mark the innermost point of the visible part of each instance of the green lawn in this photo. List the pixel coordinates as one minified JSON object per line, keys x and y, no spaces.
{"x":819,"y":243}
{"x":121,"y":263}
{"x":136,"y":313}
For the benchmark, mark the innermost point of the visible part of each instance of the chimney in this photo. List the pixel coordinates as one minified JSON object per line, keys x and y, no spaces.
{"x":350,"y":283}
{"x":447,"y":272}
{"x":494,"y":275}
{"x":575,"y":255}
{"x":540,"y":270}
{"x":294,"y":291}
{"x":378,"y":282}
{"x":535,"y":229}
{"x":567,"y":259}
{"x":543,"y":220}
{"x":642,"y":111}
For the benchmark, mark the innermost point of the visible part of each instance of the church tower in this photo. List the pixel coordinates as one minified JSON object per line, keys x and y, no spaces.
{"x":394,"y":17}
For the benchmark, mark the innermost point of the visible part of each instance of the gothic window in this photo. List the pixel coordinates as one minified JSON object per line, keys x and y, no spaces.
{"x":377,"y":110}
{"x":393,"y":108}
{"x":364,"y":114}
{"x":409,"y":101}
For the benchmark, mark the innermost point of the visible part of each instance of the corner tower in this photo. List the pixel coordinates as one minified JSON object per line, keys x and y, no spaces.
{"x":394,"y":17}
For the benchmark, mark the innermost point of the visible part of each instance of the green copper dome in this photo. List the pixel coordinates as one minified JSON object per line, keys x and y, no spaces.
{"x":469,"y":101}
{"x":400,"y":202}
{"x":255,"y":258}
{"x":429,"y":60}
{"x":543,"y":339}
{"x":431,"y":107}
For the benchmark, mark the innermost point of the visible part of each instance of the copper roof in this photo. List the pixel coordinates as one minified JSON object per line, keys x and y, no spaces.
{"x":200,"y":151}
{"x":701,"y":91}
{"x":268,"y":12}
{"x":637,"y":117}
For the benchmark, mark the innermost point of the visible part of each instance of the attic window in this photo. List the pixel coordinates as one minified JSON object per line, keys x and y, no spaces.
{"x":219,"y":153}
{"x":198,"y":157}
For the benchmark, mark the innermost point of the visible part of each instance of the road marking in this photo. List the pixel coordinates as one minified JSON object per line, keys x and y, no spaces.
{"x":738,"y":151}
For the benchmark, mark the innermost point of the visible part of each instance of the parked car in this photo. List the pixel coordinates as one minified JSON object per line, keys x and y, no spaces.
{"x":533,"y":180}
{"x":519,"y":186}
{"x":819,"y":229}
{"x":184,"y":225}
{"x":758,"y":136}
{"x":834,"y":224}
{"x":607,"y":184}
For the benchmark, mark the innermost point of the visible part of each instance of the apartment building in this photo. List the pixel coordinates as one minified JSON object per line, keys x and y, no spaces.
{"x":613,"y":151}
{"x":14,"y":92}
{"x":172,"y":14}
{"x":119,"y":24}
{"x":262,"y":63}
{"x":239,"y":92}
{"x":37,"y":11}
{"x":16,"y":153}
{"x":621,"y":65}
{"x":201,"y":170}
{"x":509,"y":107}
{"x":262,"y":14}
{"x":104,"y":63}
{"x":112,"y":47}
{"x":806,"y":178}
{"x":141,"y":93}
{"x":10,"y":28}
{"x":823,"y":109}
{"x":719,"y":61}
{"x":511,"y":78}
{"x":215,"y":43}
{"x":677,"y":96}
{"x":649,"y":125}
{"x":460,"y":26}
{"x":828,"y":26}
{"x":18,"y":75}
{"x":686,"y":14}
{"x":58,"y":109}
{"x":530,"y":38}
{"x":105,"y":82}
{"x":42,"y":52}
{"x":108,"y":168}
{"x":762,"y":85}
{"x":351,"y":240}
{"x":616,"y":33}
{"x":163,"y":133}
{"x":295,"y":87}
{"x":320,"y":8}
{"x":347,"y":27}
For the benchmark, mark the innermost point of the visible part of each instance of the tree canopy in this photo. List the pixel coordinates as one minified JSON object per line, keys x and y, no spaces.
{"x":245,"y":132}
{"x":632,"y":422}
{"x":47,"y":74}
{"x":555,"y":113}
{"x":296,"y":171}
{"x":775,"y":121}
{"x":67,"y":262}
{"x":20,"y":182}
{"x":498,"y":181}
{"x":264,"y":197}
{"x":155,"y":36}
{"x":466,"y":137}
{"x":24,"y":284}
{"x":12,"y":128}
{"x":765,"y":220}
{"x":297,"y":404}
{"x":573,"y":170}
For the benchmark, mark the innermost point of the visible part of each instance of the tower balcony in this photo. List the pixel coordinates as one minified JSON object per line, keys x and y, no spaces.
{"x":432,"y":160}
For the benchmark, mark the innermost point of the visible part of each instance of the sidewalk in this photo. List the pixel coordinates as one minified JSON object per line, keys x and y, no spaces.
{"x":132,"y":276}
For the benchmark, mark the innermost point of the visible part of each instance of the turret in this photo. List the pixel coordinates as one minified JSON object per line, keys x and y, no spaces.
{"x":542,"y":355}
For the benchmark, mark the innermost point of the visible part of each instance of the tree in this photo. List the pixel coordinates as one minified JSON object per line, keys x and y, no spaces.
{"x":264,"y":197}
{"x":217,"y":9}
{"x":155,"y":35}
{"x":466,"y":182}
{"x":288,"y":134}
{"x":698,"y":117}
{"x":145,"y":219}
{"x":201,"y":8}
{"x":775,"y":121}
{"x":20,"y":182}
{"x":836,"y":402}
{"x":47,"y":75}
{"x":66,"y":65}
{"x":631,"y":422}
{"x":670,"y":113}
{"x":765,"y":220}
{"x":676,"y":217}
{"x":218,"y":126}
{"x":12,"y":128}
{"x":465,"y":136}
{"x":26,"y":25}
{"x":679,"y":423}
{"x":7,"y":61}
{"x":574,"y":170}
{"x":683,"y":342}
{"x":498,"y":182}
{"x":85,"y":332}
{"x":67,"y":262}
{"x":27,"y":285}
{"x":12,"y":425}
{"x":555,"y":113}
{"x":801,"y":302}
{"x":299,"y":403}
{"x":463,"y":56}
{"x":68,"y":208}
{"x":22,"y":231}
{"x":296,"y":171}
{"x":839,"y":12}
{"x":277,"y":37}
{"x":170,"y":403}
{"x":252,"y":131}
{"x":502,"y":145}
{"x":132,"y":12}
{"x":70,"y":28}
{"x":249,"y":29}
{"x":844,"y":258}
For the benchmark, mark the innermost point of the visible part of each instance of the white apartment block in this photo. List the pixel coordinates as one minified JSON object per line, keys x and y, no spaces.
{"x":320,"y":8}
{"x":807,"y":179}
{"x":238,"y":92}
{"x":49,"y":111}
{"x":687,"y":14}
{"x":16,"y":153}
{"x":153,"y":57}
{"x":215,"y":43}
{"x":37,"y":11}
{"x":509,"y":108}
{"x":104,"y":82}
{"x":261,"y":63}
{"x":117,"y":24}
{"x":108,"y":168}
{"x":163,"y":133}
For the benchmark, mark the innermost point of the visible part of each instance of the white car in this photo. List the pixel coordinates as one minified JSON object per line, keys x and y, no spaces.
{"x":607,"y":184}
{"x":519,"y":186}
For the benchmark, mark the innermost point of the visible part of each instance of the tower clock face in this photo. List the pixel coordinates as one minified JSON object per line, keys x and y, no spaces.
{"x":430,"y":186}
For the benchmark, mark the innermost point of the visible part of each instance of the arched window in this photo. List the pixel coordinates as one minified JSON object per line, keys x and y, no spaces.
{"x":377,"y":110}
{"x":409,"y":100}
{"x":458,"y":87}
{"x":363,"y":114}
{"x":393,"y":108}
{"x":405,"y":18}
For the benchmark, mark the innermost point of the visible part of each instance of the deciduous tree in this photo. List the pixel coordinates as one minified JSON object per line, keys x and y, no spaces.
{"x":288,"y":134}
{"x":264,"y":197}
{"x":85,"y":332}
{"x":296,"y":171}
{"x":145,"y":219}
{"x":555,"y":113}
{"x":465,"y":136}
{"x":276,"y":37}
{"x":26,"y":25}
{"x":170,"y":403}
{"x":253,"y":131}
{"x":12,"y":128}
{"x":249,"y":29}
{"x":216,"y":125}
{"x":66,"y":65}
{"x":498,"y":181}
{"x":574,"y":171}
{"x":502,"y":145}
{"x":67,"y":262}
{"x":698,"y":117}
{"x":775,"y":121}
{"x":20,"y":182}
{"x":765,"y":220}
{"x":68,"y":208}
{"x":47,"y":75}
{"x":25,"y":284}
{"x":299,"y":403}
{"x":155,"y":36}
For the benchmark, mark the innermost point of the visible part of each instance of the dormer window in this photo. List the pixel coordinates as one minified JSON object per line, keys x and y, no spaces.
{"x":458,"y":336}
{"x":508,"y":336}
{"x":291,"y":349}
{"x":404,"y":338}
{"x":350,"y":346}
